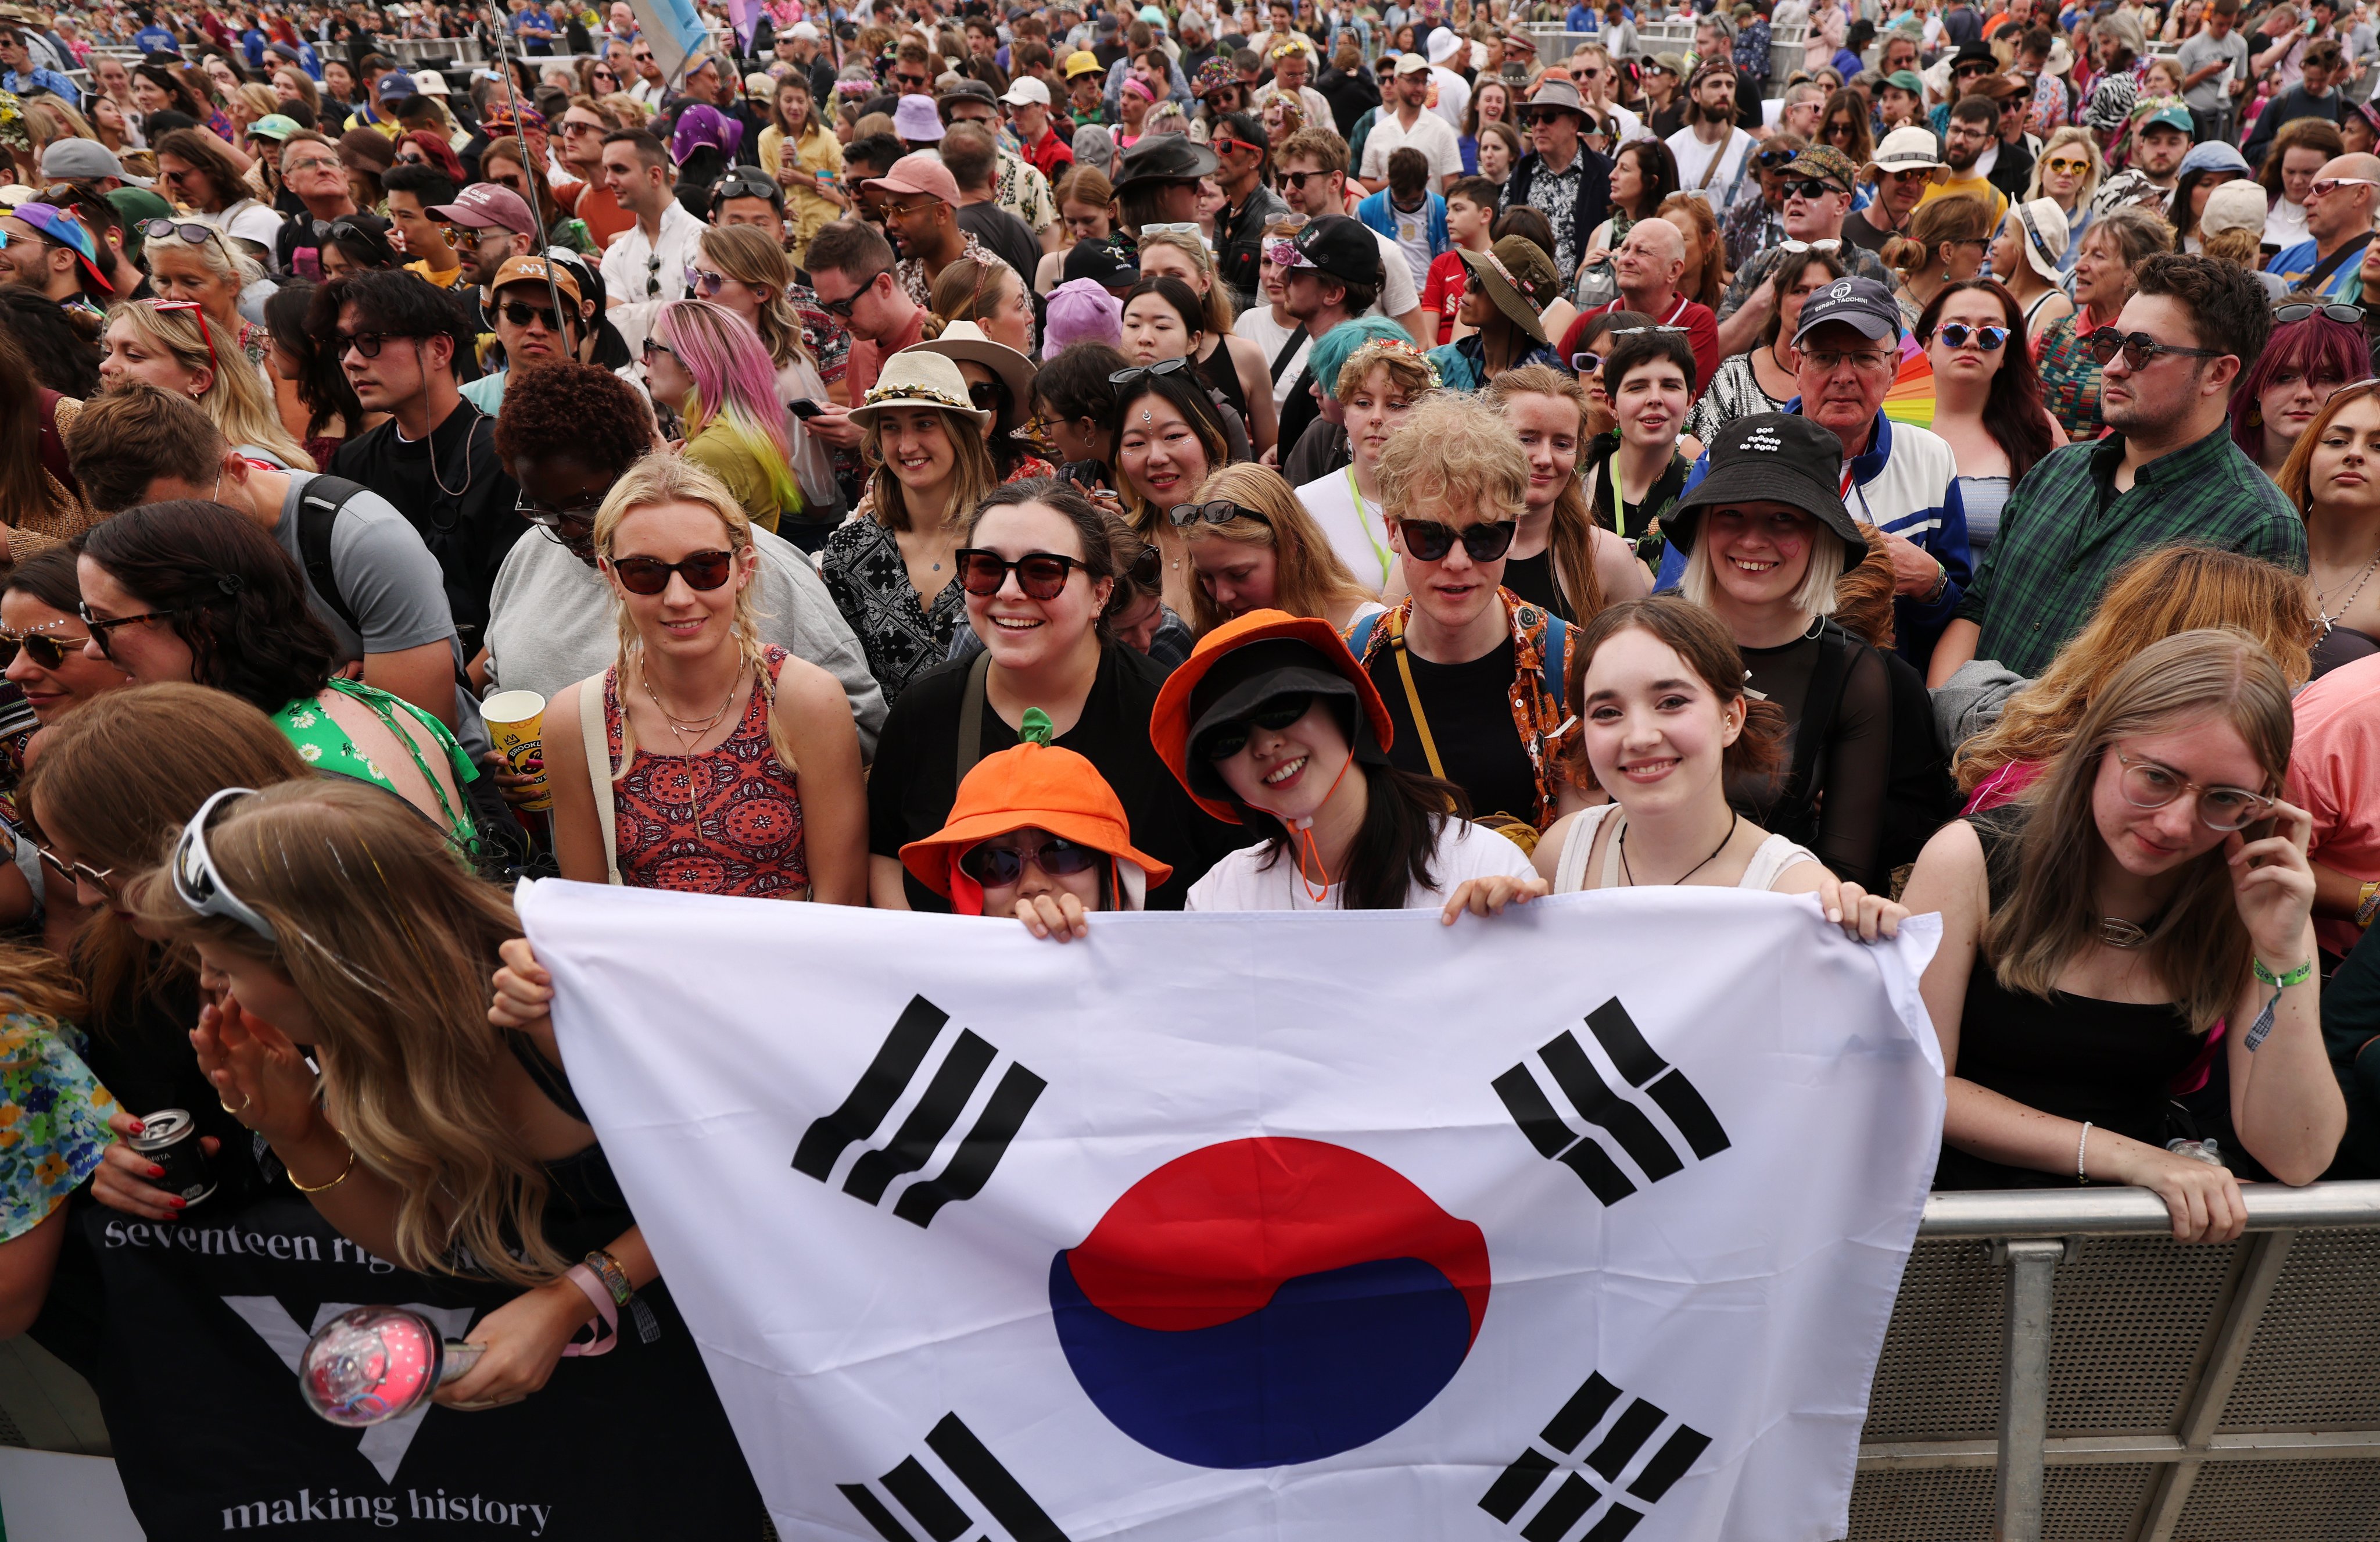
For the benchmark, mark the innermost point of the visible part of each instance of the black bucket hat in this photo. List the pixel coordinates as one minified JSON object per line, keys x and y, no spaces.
{"x":1773,"y":458}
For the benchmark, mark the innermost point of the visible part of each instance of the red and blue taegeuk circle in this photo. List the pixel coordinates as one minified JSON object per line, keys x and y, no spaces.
{"x":1267,"y":1302}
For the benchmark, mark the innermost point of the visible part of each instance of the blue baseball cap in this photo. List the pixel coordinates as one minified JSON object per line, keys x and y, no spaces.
{"x":61,"y":226}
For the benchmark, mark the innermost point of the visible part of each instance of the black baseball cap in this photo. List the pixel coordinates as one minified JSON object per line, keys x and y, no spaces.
{"x":1773,"y":458}
{"x":1342,"y":248}
{"x":1860,"y":302}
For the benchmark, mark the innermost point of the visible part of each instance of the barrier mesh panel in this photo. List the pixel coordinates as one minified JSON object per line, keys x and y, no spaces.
{"x":1954,"y":1504}
{"x":2301,"y":1502}
{"x":2130,"y":1325}
{"x":1938,"y":1377}
{"x":2313,"y":1364}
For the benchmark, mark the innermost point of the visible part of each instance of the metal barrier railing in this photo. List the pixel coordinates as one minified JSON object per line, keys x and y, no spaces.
{"x":2058,"y":1367}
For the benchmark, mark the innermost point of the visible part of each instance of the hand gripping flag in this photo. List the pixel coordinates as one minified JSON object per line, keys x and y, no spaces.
{"x":1580,"y":1223}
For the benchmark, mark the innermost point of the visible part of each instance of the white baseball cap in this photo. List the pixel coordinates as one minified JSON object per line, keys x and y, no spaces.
{"x":1024,"y":89}
{"x":428,"y":82}
{"x":804,"y":32}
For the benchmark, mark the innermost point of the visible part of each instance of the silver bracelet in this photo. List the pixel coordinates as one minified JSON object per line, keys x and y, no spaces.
{"x":2082,"y":1144}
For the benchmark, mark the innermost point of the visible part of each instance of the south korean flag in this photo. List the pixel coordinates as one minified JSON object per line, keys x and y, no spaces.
{"x":1579,"y":1223}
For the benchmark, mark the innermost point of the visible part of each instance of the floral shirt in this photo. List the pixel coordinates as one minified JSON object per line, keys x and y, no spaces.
{"x":910,"y":272}
{"x":323,"y":743}
{"x":1752,"y":49}
{"x":53,"y":1119}
{"x":1025,"y":192}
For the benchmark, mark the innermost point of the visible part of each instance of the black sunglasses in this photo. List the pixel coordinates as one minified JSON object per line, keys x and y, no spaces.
{"x":47,"y":652}
{"x":651,"y":575}
{"x":102,"y":627}
{"x":999,"y":866}
{"x":366,"y":342}
{"x":988,"y":396}
{"x":520,"y":314}
{"x":1042,"y":575}
{"x":744,"y":182}
{"x":1810,"y":187}
{"x":841,"y":309}
{"x":2139,"y":349}
{"x":1227,"y":740}
{"x":1427,"y":541}
{"x":1221,"y":512}
{"x":1163,"y":366}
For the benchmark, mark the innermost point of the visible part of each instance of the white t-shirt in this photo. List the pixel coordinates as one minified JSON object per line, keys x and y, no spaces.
{"x":1693,"y":157}
{"x":1243,"y":881}
{"x":1429,"y":134}
{"x":1453,"y":96}
{"x":1356,"y":528}
{"x":1259,"y":328}
{"x":247,"y":221}
{"x":1398,"y":293}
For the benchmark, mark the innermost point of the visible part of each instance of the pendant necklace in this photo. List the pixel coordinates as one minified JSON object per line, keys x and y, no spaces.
{"x":2117,"y":931}
{"x":1733,"y":819}
{"x":2324,"y":619}
{"x":685,"y":731}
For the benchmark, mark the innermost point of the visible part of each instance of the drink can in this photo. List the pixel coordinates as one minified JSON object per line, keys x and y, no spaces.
{"x":516,"y":722}
{"x":170,"y":1139}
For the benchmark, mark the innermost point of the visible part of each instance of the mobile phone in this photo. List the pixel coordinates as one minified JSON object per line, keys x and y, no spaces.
{"x":805,"y":409}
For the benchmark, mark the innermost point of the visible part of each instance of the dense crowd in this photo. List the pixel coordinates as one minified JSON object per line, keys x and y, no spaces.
{"x":1037,"y":463}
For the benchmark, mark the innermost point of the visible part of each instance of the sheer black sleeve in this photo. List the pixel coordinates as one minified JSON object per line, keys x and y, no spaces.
{"x":1857,"y":774}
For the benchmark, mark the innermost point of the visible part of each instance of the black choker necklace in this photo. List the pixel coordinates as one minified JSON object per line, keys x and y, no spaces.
{"x":1733,"y":819}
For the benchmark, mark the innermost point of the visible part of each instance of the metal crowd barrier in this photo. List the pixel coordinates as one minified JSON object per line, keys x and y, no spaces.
{"x":2058,"y":1367}
{"x":1670,"y":36}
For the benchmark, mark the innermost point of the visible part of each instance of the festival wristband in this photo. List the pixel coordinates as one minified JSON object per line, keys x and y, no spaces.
{"x":615,"y":1278}
{"x":2297,"y":976}
{"x":2367,"y":901}
{"x":607,"y":1313}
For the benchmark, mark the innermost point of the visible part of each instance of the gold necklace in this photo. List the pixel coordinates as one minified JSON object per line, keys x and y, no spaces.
{"x":693,"y":732}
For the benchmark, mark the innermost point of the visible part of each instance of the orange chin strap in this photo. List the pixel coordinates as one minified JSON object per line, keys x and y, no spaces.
{"x":1304,"y":828}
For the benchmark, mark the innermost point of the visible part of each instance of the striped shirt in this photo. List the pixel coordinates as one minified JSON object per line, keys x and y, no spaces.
{"x":2066,"y":530}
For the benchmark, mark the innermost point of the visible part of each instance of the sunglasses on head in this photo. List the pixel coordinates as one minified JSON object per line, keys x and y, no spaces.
{"x":1227,"y":740}
{"x":651,"y":575}
{"x":1959,"y":334}
{"x":1163,"y":366}
{"x":47,"y":652}
{"x":2139,"y":349}
{"x":1223,"y":511}
{"x":158,"y":229}
{"x":999,"y":866}
{"x":1042,"y":575}
{"x":2298,"y":311}
{"x":1428,"y":541}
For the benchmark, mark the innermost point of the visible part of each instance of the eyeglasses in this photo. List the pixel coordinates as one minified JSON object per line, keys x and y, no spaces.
{"x":1227,"y":740}
{"x":1811,"y":189}
{"x":198,"y":883}
{"x":310,"y":162}
{"x":2322,"y":187}
{"x":1428,"y":541}
{"x":100,"y":627}
{"x":1163,"y":366}
{"x":520,"y":314}
{"x":999,"y":866}
{"x":1959,"y":334}
{"x":2298,"y":311}
{"x":100,"y":878}
{"x":1828,"y":361}
{"x":2066,"y":168}
{"x":651,"y":575}
{"x":2148,"y":785}
{"x":1042,"y":575}
{"x":366,"y":342}
{"x":1223,"y":511}
{"x":47,"y":652}
{"x":841,"y":309}
{"x":2139,"y":349}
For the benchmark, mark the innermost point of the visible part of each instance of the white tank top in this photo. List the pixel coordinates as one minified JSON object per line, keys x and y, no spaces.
{"x":1769,"y":863}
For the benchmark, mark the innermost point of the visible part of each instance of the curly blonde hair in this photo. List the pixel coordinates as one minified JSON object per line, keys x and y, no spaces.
{"x":1455,"y":454}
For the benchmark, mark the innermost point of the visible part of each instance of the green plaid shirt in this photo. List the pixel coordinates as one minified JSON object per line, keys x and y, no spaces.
{"x":2066,"y":530}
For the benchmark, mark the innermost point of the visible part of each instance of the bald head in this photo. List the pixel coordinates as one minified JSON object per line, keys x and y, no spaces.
{"x":1649,"y":263}
{"x":2340,"y":205}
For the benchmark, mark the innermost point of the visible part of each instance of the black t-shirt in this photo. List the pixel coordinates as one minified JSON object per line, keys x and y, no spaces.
{"x":1004,"y":236}
{"x":915,"y":777}
{"x":1532,"y":578}
{"x":456,"y":492}
{"x":1861,"y":233}
{"x":1470,"y":711}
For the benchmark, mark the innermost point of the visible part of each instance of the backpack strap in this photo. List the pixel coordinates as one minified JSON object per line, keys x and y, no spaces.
{"x":1557,"y":654}
{"x":1359,"y":636}
{"x":970,"y":735}
{"x":1819,"y":708}
{"x":317,"y":515}
{"x":599,"y":767}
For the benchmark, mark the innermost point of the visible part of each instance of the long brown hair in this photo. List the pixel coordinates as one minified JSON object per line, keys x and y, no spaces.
{"x":1750,"y":766}
{"x":1307,"y":577}
{"x":1571,"y":535}
{"x":1684,"y":210}
{"x":2198,"y":947}
{"x":117,"y":776}
{"x":2163,"y":591}
{"x":391,"y":941}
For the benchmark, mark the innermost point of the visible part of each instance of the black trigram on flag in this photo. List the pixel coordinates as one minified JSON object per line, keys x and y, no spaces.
{"x":1573,"y":1071}
{"x":931,"y":1507}
{"x":1572,"y":1498}
{"x":948,"y":1092}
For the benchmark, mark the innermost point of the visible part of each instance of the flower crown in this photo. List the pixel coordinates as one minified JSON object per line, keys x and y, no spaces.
{"x":914,"y":392}
{"x":1403,"y":348}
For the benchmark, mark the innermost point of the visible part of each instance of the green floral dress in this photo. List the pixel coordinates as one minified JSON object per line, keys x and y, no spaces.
{"x":324,"y":745}
{"x":53,"y":1119}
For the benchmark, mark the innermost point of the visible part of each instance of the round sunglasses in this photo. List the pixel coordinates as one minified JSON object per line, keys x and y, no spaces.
{"x":999,"y":866}
{"x":1959,"y":334}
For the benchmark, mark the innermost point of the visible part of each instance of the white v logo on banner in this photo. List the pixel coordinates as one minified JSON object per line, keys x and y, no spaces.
{"x":383,"y":1445}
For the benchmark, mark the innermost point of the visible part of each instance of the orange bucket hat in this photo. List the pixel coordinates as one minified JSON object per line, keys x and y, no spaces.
{"x":1035,"y":786}
{"x":1237,"y":668}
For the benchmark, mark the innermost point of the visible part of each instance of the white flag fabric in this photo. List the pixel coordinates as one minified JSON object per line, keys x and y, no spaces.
{"x":1577,"y":1223}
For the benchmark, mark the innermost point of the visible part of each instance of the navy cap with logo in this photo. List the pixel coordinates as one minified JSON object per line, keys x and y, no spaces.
{"x":1340,"y":247}
{"x":1860,"y":302}
{"x":1772,"y":458}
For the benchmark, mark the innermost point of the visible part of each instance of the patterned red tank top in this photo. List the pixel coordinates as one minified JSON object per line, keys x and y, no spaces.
{"x":726,"y":821}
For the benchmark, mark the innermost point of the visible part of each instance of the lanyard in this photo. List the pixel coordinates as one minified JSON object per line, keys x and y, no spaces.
{"x":1363,"y":519}
{"x":1619,"y":493}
